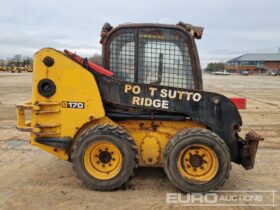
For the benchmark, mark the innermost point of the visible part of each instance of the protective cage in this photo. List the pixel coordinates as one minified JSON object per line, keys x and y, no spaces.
{"x":151,"y":56}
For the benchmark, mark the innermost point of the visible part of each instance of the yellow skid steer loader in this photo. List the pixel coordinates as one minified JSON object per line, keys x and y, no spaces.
{"x":144,"y":107}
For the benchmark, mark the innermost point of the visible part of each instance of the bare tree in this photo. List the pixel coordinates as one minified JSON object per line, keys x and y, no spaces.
{"x":17,"y":59}
{"x":27,"y":61}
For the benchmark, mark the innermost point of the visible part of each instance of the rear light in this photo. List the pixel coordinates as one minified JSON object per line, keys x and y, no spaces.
{"x":46,"y":87}
{"x":240,"y":103}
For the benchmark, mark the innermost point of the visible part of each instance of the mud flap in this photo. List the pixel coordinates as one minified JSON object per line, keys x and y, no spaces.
{"x":249,"y":149}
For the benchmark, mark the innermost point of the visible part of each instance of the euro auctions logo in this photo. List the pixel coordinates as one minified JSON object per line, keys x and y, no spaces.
{"x":192,"y":198}
{"x":224,"y":198}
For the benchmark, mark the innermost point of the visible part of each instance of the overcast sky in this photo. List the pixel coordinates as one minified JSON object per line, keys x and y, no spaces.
{"x":232,"y":27}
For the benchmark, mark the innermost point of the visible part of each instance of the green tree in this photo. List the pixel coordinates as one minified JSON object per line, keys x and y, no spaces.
{"x":215,"y":67}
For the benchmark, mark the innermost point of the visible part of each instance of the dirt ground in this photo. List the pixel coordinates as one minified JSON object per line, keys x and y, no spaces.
{"x":33,"y":179}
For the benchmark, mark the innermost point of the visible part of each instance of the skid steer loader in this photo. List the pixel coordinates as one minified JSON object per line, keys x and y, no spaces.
{"x":144,"y":107}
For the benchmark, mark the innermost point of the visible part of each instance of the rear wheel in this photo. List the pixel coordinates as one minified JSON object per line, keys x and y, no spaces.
{"x":197,"y":160}
{"x":104,"y":157}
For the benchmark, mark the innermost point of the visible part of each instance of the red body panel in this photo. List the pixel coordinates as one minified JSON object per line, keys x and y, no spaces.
{"x":240,"y":103}
{"x":90,"y":64}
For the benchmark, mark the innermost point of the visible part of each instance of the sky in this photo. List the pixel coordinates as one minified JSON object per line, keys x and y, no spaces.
{"x":231,"y":27}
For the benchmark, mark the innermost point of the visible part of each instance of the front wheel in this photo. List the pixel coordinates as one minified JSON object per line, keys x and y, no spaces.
{"x":197,"y":160}
{"x":104,"y":157}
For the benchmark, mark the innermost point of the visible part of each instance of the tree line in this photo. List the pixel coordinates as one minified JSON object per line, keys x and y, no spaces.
{"x":20,"y":60}
{"x":17,"y":60}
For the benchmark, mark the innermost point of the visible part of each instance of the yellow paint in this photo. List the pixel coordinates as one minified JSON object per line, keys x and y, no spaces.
{"x":95,"y":156}
{"x":150,"y":156}
{"x":69,"y":77}
{"x":163,"y":131}
{"x":204,"y":171}
{"x":22,"y":124}
{"x":74,"y":83}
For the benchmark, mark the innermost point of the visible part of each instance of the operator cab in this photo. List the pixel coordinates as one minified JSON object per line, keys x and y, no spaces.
{"x":157,"y":54}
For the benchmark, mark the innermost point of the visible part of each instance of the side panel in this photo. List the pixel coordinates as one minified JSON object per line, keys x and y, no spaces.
{"x":59,"y":115}
{"x":215,"y":111}
{"x":151,"y":137}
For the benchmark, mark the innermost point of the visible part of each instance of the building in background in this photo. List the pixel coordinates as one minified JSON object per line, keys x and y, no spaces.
{"x":256,"y":62}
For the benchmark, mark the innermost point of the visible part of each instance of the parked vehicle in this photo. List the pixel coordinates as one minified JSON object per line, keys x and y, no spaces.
{"x":224,"y":72}
{"x":244,"y":73}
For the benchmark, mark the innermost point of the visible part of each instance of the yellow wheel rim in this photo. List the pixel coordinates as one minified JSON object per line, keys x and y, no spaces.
{"x":198,"y":163}
{"x":102,"y":160}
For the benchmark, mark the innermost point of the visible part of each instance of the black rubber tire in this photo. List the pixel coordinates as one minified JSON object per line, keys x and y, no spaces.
{"x":119,"y":137}
{"x":186,"y":138}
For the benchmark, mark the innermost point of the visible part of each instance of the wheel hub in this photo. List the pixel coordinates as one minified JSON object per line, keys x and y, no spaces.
{"x":198,"y":163}
{"x":103,"y":160}
{"x":196,"y":160}
{"x":105,"y":157}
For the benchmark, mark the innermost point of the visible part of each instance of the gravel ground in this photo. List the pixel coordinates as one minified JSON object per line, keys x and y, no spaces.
{"x":33,"y":179}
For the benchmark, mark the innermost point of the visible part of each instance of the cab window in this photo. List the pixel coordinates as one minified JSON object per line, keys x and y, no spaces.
{"x":163,"y":57}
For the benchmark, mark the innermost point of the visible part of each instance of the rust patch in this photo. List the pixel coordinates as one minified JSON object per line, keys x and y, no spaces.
{"x":249,"y":149}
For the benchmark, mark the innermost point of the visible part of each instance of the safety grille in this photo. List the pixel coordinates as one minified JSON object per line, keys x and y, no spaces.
{"x":163,"y":58}
{"x":122,"y":51}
